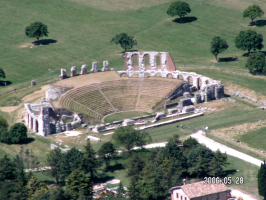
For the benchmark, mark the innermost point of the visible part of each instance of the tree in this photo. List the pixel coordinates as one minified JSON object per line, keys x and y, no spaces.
{"x":262,"y":180}
{"x":54,"y":159}
{"x":121,"y":192}
{"x":17,"y":133}
{"x":2,"y":73}
{"x":36,"y":30}
{"x":218,"y":45}
{"x":7,"y":169}
{"x":106,"y":152}
{"x":72,"y":160}
{"x":126,"y":42}
{"x":3,"y":122}
{"x":128,"y":137}
{"x":253,"y":12}
{"x":79,"y":185}
{"x":217,"y":164}
{"x":90,"y":162}
{"x":179,"y":8}
{"x":249,"y":40}
{"x":256,"y":63}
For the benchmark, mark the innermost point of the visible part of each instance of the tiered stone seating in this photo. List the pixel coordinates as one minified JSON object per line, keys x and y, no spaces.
{"x":122,"y":94}
{"x":154,"y":90}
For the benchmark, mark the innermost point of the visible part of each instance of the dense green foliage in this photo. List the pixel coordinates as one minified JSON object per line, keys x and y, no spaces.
{"x":2,"y":73}
{"x":218,"y":45}
{"x":128,"y":137}
{"x":36,"y":30}
{"x":249,"y":40}
{"x":79,"y":185}
{"x":256,"y":63}
{"x":253,"y":12}
{"x":16,"y":134}
{"x":54,"y":159}
{"x":106,"y":153}
{"x":262,"y":180}
{"x":179,"y":8}
{"x":126,"y":42}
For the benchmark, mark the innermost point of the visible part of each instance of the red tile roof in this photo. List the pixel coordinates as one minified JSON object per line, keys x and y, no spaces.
{"x":198,"y":189}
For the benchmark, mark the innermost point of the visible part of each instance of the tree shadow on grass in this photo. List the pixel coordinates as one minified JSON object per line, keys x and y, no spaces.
{"x":228,"y":59}
{"x":44,"y":42}
{"x":260,"y":23}
{"x":26,"y":141}
{"x":4,"y":83}
{"x":185,"y":20}
{"x":115,"y":167}
{"x":102,"y":178}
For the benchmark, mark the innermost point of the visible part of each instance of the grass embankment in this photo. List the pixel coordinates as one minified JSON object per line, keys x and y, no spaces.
{"x":124,"y":115}
{"x":84,"y":36}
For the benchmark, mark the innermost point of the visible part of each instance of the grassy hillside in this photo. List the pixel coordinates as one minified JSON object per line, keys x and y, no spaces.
{"x":82,"y":31}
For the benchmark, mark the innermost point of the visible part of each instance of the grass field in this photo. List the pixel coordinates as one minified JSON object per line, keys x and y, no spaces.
{"x":124,"y":115}
{"x":82,"y":31}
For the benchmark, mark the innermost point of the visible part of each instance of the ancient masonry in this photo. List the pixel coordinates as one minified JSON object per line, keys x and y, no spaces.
{"x":41,"y":118}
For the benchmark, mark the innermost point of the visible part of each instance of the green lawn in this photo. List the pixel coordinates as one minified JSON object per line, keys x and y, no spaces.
{"x":83,"y":30}
{"x":255,"y":138}
{"x":124,"y":115}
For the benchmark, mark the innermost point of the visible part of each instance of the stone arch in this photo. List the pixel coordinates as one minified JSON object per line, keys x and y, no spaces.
{"x":158,"y":60}
{"x":147,"y":59}
{"x":169,"y":75}
{"x":199,"y":83}
{"x":124,"y":75}
{"x":135,"y":75}
{"x":158,"y":75}
{"x":146,"y":75}
{"x":135,"y":60}
{"x":180,"y":77}
{"x":36,"y":126}
{"x":190,"y":80}
{"x":207,"y":82}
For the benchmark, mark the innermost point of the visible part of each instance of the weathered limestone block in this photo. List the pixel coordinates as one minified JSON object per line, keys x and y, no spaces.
{"x":68,"y":126}
{"x":186,"y":95}
{"x":98,"y":128}
{"x":212,"y":93}
{"x":44,"y":122}
{"x":76,"y":120}
{"x":105,"y":66}
{"x":58,"y":127}
{"x":184,"y":102}
{"x":219,"y":91}
{"x":159,"y":115}
{"x":94,"y":67}
{"x":173,"y":111}
{"x":63,"y":74}
{"x":197,"y":98}
{"x":128,"y":122}
{"x":93,"y":138}
{"x":83,"y":69}
{"x":188,"y":109}
{"x":32,"y":83}
{"x":73,"y":71}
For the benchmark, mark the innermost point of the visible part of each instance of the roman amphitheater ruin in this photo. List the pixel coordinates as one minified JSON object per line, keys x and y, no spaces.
{"x":150,"y":83}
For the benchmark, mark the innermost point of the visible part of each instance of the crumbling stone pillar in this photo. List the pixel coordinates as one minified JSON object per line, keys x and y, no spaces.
{"x":219,"y":91}
{"x":197,"y":98}
{"x":94,"y":67}
{"x":32,"y":83}
{"x":44,"y":121}
{"x":63,"y":74}
{"x":83,"y":69}
{"x":105,"y":66}
{"x":73,"y":71}
{"x":68,"y":126}
{"x":58,"y":128}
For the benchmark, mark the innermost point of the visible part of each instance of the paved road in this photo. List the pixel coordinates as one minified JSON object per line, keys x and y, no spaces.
{"x":232,"y":152}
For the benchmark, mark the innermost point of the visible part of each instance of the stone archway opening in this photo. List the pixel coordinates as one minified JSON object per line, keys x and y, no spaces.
{"x":158,"y":61}
{"x":124,"y":75}
{"x":135,"y":60}
{"x":169,"y":76}
{"x":180,"y":77}
{"x":158,"y":75}
{"x":199,"y":83}
{"x":147,"y":60}
{"x":36,"y":126}
{"x":190,"y":80}
{"x":146,"y":75}
{"x":207,"y":82}
{"x":135,"y":75}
